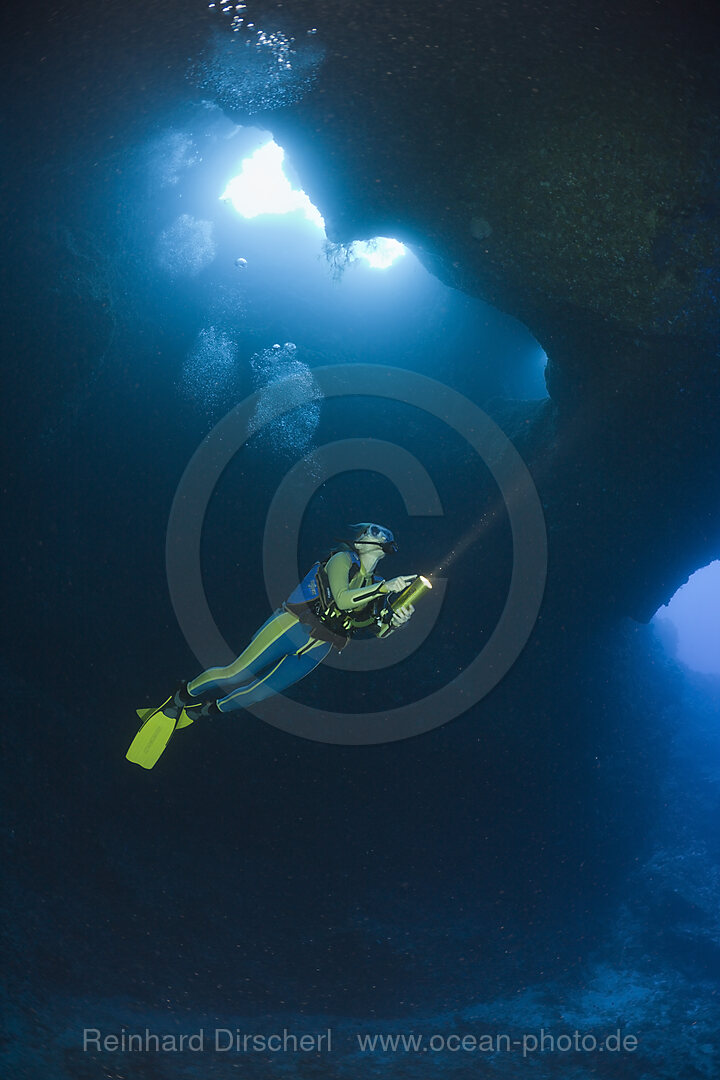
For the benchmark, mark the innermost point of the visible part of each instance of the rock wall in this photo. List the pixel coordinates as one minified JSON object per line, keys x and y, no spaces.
{"x":560,"y":162}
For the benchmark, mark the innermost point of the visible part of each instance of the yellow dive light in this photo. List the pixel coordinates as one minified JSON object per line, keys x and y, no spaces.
{"x":411,"y":593}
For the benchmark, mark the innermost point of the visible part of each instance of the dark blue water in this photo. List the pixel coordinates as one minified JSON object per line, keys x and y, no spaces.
{"x":546,"y":860}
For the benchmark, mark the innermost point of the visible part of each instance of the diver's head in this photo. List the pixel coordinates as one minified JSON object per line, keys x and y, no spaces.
{"x":373,"y":538}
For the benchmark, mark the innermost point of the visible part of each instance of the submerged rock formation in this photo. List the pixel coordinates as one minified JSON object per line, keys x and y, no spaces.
{"x":561,"y":163}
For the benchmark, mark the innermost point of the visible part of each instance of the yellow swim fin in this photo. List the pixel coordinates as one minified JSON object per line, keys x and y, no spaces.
{"x":185,"y":718}
{"x":153,"y":736}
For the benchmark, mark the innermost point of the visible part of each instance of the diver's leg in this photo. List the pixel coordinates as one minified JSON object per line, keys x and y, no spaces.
{"x":287,"y":670}
{"x":268,"y":645}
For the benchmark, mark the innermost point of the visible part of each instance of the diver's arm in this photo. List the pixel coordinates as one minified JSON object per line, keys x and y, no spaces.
{"x":347,"y":599}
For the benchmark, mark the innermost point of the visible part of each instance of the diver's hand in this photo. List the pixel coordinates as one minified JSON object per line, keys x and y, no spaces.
{"x":397,"y":584}
{"x":401,"y":616}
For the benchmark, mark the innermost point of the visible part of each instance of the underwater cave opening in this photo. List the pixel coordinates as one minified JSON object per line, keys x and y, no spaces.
{"x":689,"y":624}
{"x":265,"y":264}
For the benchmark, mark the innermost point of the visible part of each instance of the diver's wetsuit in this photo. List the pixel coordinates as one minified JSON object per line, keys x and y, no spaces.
{"x":285,"y":649}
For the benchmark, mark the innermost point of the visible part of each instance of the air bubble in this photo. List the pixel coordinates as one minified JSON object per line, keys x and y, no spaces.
{"x":210,"y":374}
{"x":186,"y":247}
{"x":291,"y":433}
{"x":257,"y":75}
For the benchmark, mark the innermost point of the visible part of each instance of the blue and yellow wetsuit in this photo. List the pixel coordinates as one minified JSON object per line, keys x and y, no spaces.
{"x":285,"y":649}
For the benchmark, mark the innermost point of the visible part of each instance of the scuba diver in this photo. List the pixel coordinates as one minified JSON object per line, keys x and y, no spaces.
{"x":340,"y":598}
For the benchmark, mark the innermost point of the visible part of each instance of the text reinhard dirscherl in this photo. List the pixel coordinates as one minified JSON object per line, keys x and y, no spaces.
{"x":221,"y":1040}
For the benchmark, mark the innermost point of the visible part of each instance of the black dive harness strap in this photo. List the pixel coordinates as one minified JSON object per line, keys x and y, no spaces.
{"x":327,"y":621}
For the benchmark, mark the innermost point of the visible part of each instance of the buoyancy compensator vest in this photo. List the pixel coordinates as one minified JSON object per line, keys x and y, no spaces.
{"x":312,"y":602}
